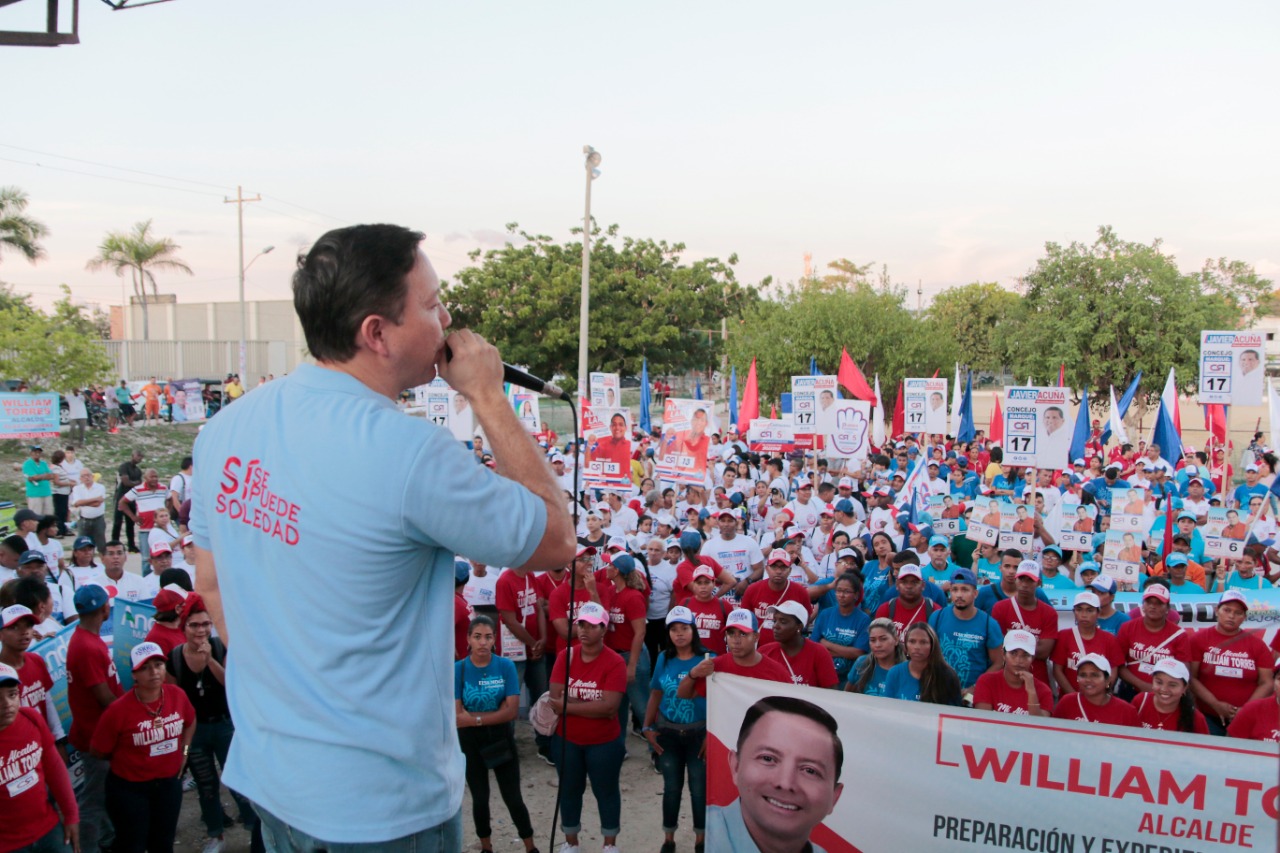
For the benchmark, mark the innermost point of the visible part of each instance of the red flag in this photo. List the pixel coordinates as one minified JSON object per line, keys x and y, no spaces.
{"x":851,"y":378}
{"x":1168,"y":527}
{"x":899,"y":415}
{"x":935,"y":374}
{"x":995,"y":431}
{"x":1215,"y":422}
{"x":773,"y":411}
{"x":750,"y":408}
{"x":1062,"y":375}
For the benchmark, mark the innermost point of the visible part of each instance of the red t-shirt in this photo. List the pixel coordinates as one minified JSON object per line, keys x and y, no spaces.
{"x":812,"y":665}
{"x":1143,"y":648}
{"x":708,"y":618}
{"x":1257,"y":720}
{"x":88,"y":665}
{"x":759,"y":597}
{"x":1066,"y":652}
{"x":558,"y":603}
{"x":1115,"y":712}
{"x":520,"y":595}
{"x":588,"y":681}
{"x":165,"y":637}
{"x":1229,"y":666}
{"x":684,"y":575}
{"x":36,"y":681}
{"x":1149,"y":717}
{"x":142,"y":746}
{"x":1041,"y":621}
{"x":462,"y":614}
{"x":992,"y":689}
{"x":903,"y":616}
{"x":546,"y":586}
{"x":30,"y":769}
{"x":765,"y":670}
{"x":628,"y":604}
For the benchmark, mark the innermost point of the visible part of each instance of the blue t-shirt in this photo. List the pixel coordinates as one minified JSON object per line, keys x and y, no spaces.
{"x":1243,"y":493}
{"x":1113,"y":622}
{"x":483,"y":688}
{"x":988,"y":569}
{"x":938,"y":576}
{"x":667,"y":675}
{"x":1234,"y":581}
{"x":1058,"y":581}
{"x":964,"y":643}
{"x":336,"y":569}
{"x":876,"y":686}
{"x":991,"y":593}
{"x":841,"y":630}
{"x":875,"y":585}
{"x":901,"y":684}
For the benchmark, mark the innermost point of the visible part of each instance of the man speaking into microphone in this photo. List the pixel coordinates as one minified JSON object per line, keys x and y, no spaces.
{"x":326,"y":523}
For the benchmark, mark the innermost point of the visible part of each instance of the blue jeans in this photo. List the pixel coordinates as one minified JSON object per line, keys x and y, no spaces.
{"x":680,"y":752}
{"x":279,"y":837}
{"x":92,"y":799}
{"x":50,"y":842}
{"x":599,"y":763}
{"x":636,"y":697}
{"x":209,"y":749}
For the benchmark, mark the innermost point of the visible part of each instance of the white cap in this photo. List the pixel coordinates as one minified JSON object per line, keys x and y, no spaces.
{"x":1017,"y":639}
{"x":1086,"y":597}
{"x":592,"y":613}
{"x":680,"y":614}
{"x":1251,"y":468}
{"x":845,"y":483}
{"x":1156,"y":590}
{"x":703,"y":571}
{"x":846,"y":552}
{"x":1097,"y":660}
{"x":616,"y":542}
{"x":8,"y":676}
{"x":1230,"y":595}
{"x":15,"y":613}
{"x":144,"y":652}
{"x":1028,"y":569}
{"x":910,"y":570}
{"x":791,"y":608}
{"x":779,"y":484}
{"x":1173,"y":667}
{"x":777,"y":555}
{"x":743,"y":620}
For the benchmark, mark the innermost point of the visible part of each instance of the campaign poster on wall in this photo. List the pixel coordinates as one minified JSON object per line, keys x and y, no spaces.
{"x":850,"y":437}
{"x":1076,"y":531}
{"x":1232,"y":367}
{"x":766,"y":435}
{"x":813,"y":412}
{"x":1036,"y":427}
{"x":925,"y":405}
{"x":608,"y":436}
{"x":686,"y":437}
{"x":605,"y":391}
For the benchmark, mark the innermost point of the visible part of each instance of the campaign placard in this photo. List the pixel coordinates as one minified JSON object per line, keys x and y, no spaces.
{"x":1232,"y":367}
{"x":984,"y":524}
{"x":1076,"y":532}
{"x":1129,"y":510}
{"x":1225,"y":533}
{"x":605,"y":393}
{"x":767,"y":435}
{"x":925,"y":405}
{"x":947,"y":513}
{"x":1122,"y":556}
{"x":188,"y":400}
{"x":813,"y":411}
{"x":446,"y":408}
{"x":686,"y":436}
{"x":1017,"y":526}
{"x":608,"y":436}
{"x":29,"y":416}
{"x":850,"y":438}
{"x":1036,"y":429}
{"x":525,"y":404}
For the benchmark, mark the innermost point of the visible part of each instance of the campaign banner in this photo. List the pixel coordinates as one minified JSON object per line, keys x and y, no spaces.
{"x":813,"y":413}
{"x":1232,"y":367}
{"x":608,"y":436}
{"x":1122,"y":556}
{"x":1012,"y":782}
{"x":686,"y":437}
{"x":130,"y":623}
{"x":53,"y":652}
{"x":29,"y":416}
{"x":1036,"y":431}
{"x":605,"y":393}
{"x":771,"y":436}
{"x":925,"y":405}
{"x":850,"y":438}
{"x":1017,"y":526}
{"x":188,"y":400}
{"x":1076,"y":531}
{"x":984,"y":524}
{"x":1224,"y":533}
{"x":947,"y":514}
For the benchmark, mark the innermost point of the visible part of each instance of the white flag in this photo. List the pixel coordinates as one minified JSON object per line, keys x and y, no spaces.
{"x":877,"y":418}
{"x":956,"y":399}
{"x":1116,"y":423}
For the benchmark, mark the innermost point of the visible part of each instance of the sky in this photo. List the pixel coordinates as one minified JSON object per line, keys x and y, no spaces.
{"x":948,"y":141}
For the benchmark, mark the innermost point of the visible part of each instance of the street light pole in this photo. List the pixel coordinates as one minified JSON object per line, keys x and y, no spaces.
{"x":592,"y":160}
{"x":239,"y":201}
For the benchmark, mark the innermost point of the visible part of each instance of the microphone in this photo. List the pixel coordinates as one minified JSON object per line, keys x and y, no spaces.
{"x":516,"y":376}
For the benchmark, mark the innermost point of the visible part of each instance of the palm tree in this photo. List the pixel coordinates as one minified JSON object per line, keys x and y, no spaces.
{"x":139,"y":253}
{"x":17,"y":230}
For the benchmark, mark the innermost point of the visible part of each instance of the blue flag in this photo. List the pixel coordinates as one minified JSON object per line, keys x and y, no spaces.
{"x":1167,"y":437}
{"x":733,"y":396}
{"x":813,"y":366}
{"x":1081,"y":435}
{"x":1122,"y":408}
{"x":697,"y":388}
{"x":645,"y":402}
{"x":967,"y":429}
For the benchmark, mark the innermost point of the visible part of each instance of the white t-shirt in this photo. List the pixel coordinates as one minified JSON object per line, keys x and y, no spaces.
{"x":52,"y":550}
{"x":797,"y":570}
{"x":625,"y":517}
{"x":881,"y":519}
{"x":663,"y":576}
{"x":83,"y":493}
{"x":1200,"y":507}
{"x":180,"y":485}
{"x":806,"y":515}
{"x":854,"y":530}
{"x":132,"y":587}
{"x":88,"y":574}
{"x":737,"y":555}
{"x":75,"y":407}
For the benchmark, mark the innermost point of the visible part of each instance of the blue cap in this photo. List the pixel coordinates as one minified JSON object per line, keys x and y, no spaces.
{"x":964,"y":576}
{"x":32,"y":557}
{"x":844,"y":505}
{"x":1182,"y":515}
{"x":737,"y":499}
{"x":624,"y":563}
{"x":82,"y":542}
{"x":939,"y":540}
{"x":704,"y":514}
{"x":962,"y":460}
{"x":1089,"y":566}
{"x":690,"y":541}
{"x":90,"y":598}
{"x":1175,"y":560}
{"x":461,"y":571}
{"x":1054,"y":548}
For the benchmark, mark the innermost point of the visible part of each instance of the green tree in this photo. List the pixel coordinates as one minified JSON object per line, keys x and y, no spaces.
{"x":983,"y":320}
{"x":51,"y":352}
{"x":18,"y":230}
{"x":95,"y":324}
{"x":139,"y":252}
{"x":1113,"y":308}
{"x":645,"y":302}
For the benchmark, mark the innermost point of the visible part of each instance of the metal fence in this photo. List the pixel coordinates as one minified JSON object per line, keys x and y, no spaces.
{"x":202,"y":359}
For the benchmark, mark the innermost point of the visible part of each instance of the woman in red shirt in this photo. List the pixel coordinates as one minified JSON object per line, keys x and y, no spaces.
{"x":1168,"y":705}
{"x":1229,"y":667}
{"x":1094,"y":702}
{"x":627,"y":626}
{"x":587,"y":742}
{"x":145,"y":734}
{"x":28,"y":820}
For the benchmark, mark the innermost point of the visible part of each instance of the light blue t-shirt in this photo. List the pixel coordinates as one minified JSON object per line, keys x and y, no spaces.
{"x":667,"y":675}
{"x":333,"y":519}
{"x":1058,"y":581}
{"x":483,"y":689}
{"x":876,"y":686}
{"x":964,"y":643}
{"x":938,"y":576}
{"x":901,"y":684}
{"x":1234,"y":581}
{"x":851,"y":630}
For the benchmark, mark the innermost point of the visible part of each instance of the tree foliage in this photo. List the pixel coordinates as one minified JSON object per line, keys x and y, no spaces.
{"x":983,"y":320}
{"x":644,"y":302}
{"x":19,"y":231}
{"x":140,"y":254}
{"x":51,"y":352}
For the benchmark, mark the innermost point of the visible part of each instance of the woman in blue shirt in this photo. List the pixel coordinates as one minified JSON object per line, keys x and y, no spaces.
{"x":842,"y":629}
{"x":677,"y":728}
{"x":870,"y":671}
{"x":925,"y":675}
{"x":875,"y":574}
{"x":486,"y":697}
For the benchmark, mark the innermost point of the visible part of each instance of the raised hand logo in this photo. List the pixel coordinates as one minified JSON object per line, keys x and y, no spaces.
{"x":851,"y":430}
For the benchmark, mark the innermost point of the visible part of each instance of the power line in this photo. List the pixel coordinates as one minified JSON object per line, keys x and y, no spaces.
{"x":107,"y":177}
{"x":109,"y":166}
{"x":307,"y":209}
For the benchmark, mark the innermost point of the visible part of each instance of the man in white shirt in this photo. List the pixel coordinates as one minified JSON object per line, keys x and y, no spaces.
{"x":804,"y":510}
{"x":180,"y":487}
{"x":88,"y":499}
{"x":122,"y":584}
{"x":623,"y":516}
{"x":564,"y":477}
{"x":739,"y":554}
{"x":77,"y":414}
{"x":846,"y":519}
{"x":882,"y":514}
{"x":937,"y":486}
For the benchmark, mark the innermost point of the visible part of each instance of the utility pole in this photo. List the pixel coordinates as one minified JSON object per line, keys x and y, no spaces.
{"x":239,"y":201}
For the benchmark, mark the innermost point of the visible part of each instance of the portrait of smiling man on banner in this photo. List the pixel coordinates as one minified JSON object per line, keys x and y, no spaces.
{"x":786,"y":767}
